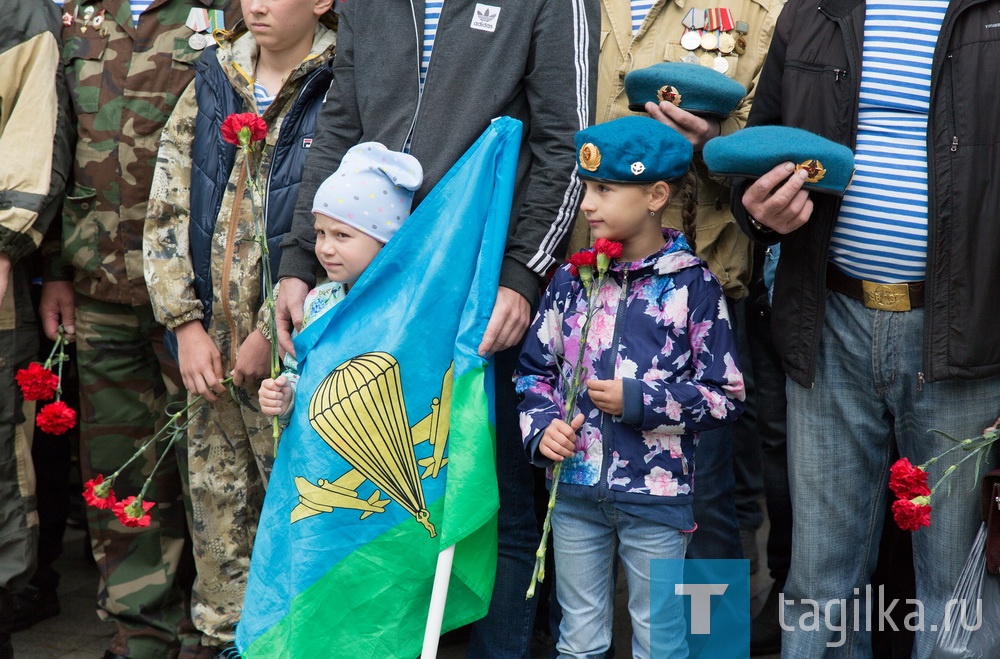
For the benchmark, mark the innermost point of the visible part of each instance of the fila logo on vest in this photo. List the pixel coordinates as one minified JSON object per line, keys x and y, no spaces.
{"x":485,"y":18}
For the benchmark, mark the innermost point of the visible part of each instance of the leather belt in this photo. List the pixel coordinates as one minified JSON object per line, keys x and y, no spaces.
{"x":884,"y":297}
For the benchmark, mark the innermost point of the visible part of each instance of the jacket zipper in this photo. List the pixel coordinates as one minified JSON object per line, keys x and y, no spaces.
{"x":607,"y":431}
{"x":416,"y":111}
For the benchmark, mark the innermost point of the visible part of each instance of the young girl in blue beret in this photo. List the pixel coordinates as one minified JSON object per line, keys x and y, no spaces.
{"x":660,"y":367}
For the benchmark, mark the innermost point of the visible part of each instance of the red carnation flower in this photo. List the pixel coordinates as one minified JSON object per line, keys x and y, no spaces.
{"x":243,"y":129}
{"x":56,"y":418}
{"x":907,"y":481}
{"x":133,"y":511}
{"x":911,"y":514}
{"x":37,"y":382}
{"x":583,"y":258}
{"x":98,"y":493}
{"x":609,"y":248}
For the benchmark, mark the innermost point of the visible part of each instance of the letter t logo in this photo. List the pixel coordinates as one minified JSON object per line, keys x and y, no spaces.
{"x":701,"y":603}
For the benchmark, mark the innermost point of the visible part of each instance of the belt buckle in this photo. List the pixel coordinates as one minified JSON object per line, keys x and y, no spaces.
{"x":886,"y":297}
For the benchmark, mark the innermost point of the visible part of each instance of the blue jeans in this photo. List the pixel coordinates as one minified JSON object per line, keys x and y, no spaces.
{"x":505,"y":632}
{"x":584,"y":534}
{"x":866,"y":395}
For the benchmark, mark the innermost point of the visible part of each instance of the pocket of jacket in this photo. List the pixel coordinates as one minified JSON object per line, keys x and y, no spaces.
{"x":184,"y":56}
{"x":82,"y":55}
{"x":79,"y":227}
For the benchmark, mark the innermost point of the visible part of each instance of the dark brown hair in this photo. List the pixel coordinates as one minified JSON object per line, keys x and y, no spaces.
{"x":685,"y":190}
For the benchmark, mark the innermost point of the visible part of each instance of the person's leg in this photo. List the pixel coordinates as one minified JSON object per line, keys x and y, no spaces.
{"x":584,"y":541}
{"x":963,"y":409}
{"x":718,"y":533}
{"x":505,"y":632}
{"x":838,"y":462}
{"x":227,"y":494}
{"x":123,"y":394}
{"x":641,"y":541}
{"x":18,"y":519}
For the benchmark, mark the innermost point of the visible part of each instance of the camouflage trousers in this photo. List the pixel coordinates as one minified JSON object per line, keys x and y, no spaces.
{"x":230,"y":453}
{"x":126,"y":380}
{"x":18,"y":519}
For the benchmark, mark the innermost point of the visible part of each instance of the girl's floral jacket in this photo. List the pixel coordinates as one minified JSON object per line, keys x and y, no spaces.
{"x":662,"y":327}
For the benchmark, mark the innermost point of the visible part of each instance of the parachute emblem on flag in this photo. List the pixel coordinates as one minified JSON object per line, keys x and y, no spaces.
{"x":359,"y":411}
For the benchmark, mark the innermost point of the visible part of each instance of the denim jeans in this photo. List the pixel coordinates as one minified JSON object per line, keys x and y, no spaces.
{"x":866,"y":395}
{"x":584,"y":534}
{"x":505,"y":632}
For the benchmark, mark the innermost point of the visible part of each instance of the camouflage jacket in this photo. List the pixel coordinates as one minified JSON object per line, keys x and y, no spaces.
{"x":124,"y":81}
{"x":33,"y":117}
{"x":235,"y":264}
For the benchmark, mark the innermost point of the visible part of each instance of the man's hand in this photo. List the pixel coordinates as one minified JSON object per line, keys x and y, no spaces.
{"x":510,"y":319}
{"x":253,"y":360}
{"x":608,"y":395}
{"x":695,"y":129}
{"x":559,"y":440}
{"x":5,"y":268}
{"x":780,"y":205}
{"x":199,"y":360}
{"x":288,"y":310}
{"x":58,"y":307}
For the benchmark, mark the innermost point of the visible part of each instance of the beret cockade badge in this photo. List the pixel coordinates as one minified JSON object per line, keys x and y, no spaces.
{"x":814,"y":169}
{"x":590,"y":157}
{"x":668,"y":94}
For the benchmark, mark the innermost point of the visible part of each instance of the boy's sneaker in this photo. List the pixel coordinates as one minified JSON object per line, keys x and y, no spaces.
{"x":31,"y":606}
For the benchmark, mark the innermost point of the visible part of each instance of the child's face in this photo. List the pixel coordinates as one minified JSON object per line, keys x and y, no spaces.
{"x":619,"y":211}
{"x":281,"y":24}
{"x":344,"y":251}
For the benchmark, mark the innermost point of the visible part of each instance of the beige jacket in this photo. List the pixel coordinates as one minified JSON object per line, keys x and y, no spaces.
{"x":720,"y":241}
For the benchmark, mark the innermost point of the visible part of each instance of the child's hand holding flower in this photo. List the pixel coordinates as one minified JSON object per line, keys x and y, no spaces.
{"x":559,"y":440}
{"x":608,"y":395}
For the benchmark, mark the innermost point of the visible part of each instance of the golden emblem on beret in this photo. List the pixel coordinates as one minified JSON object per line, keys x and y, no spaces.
{"x":668,"y":94}
{"x":590,"y":157}
{"x":814,"y":169}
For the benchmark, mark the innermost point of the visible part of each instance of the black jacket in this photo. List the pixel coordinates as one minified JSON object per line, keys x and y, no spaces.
{"x":535,"y":61}
{"x":811,"y":80}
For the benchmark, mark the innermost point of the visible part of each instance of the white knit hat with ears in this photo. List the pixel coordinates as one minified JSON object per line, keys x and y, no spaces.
{"x":372,"y":190}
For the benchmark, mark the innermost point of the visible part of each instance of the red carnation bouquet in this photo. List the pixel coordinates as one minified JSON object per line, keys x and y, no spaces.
{"x":247,"y":131}
{"x":38,"y":382}
{"x":584,"y":264}
{"x":912,"y":508}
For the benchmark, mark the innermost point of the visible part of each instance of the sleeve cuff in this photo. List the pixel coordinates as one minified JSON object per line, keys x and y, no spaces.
{"x":534,"y":457}
{"x":517,"y":276}
{"x":632,"y":394}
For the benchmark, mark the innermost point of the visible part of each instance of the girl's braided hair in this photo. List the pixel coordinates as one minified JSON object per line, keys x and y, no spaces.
{"x":685,"y":189}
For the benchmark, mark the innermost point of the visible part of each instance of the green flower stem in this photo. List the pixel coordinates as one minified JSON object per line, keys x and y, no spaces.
{"x":572,"y":393}
{"x":974,"y":450}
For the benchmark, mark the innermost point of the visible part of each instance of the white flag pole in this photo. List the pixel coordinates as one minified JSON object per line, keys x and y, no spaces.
{"x":439,"y":594}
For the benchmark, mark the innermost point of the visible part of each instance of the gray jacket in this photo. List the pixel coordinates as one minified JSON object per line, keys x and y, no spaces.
{"x":534,"y":60}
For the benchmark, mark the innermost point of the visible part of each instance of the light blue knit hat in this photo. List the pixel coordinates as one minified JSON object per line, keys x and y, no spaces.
{"x":372,"y":190}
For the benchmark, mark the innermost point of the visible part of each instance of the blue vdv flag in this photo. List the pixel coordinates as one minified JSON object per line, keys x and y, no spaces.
{"x":389,"y":457}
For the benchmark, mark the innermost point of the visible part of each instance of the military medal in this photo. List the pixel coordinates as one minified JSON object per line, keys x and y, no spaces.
{"x":707,"y":60}
{"x":690,"y":58}
{"x":727,"y":43}
{"x":694,"y":20}
{"x":198,"y":41}
{"x":88,"y":13}
{"x":720,"y":64}
{"x":741,"y":43}
{"x":98,"y":19}
{"x":68,"y":19}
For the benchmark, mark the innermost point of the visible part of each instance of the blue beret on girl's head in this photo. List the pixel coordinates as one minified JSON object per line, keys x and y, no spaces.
{"x":632,"y":150}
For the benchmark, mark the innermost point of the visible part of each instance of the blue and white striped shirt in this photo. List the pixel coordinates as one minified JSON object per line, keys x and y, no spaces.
{"x":881,"y":233}
{"x":640,"y":8}
{"x":138,"y":6}
{"x":262,"y":98}
{"x":432,"y":14}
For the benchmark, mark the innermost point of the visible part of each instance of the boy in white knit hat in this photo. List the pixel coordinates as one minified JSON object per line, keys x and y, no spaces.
{"x":356,"y":211}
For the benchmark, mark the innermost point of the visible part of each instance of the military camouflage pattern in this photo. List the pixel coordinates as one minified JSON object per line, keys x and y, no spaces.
{"x":18,"y":519}
{"x":231,"y":448}
{"x":126,"y":380}
{"x":231,"y":452}
{"x":124,"y":81}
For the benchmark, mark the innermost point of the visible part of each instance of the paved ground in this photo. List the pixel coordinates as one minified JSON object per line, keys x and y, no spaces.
{"x":78,"y":634}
